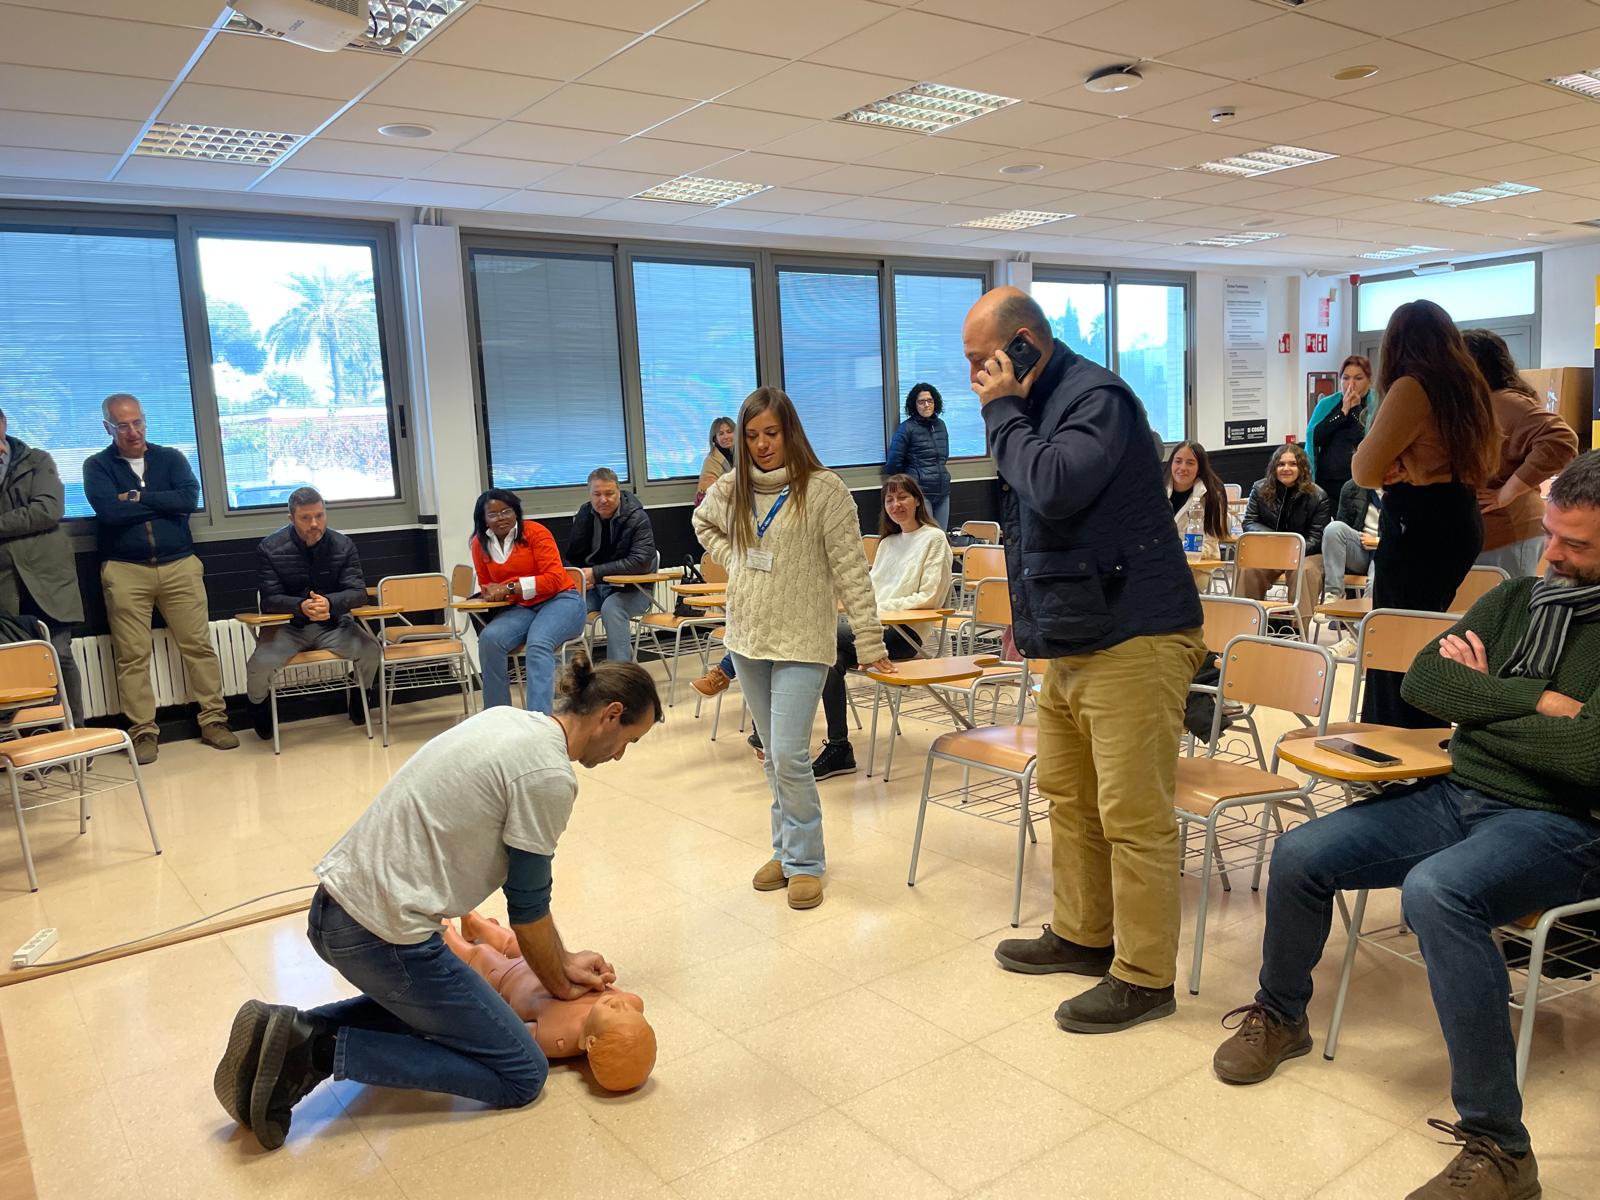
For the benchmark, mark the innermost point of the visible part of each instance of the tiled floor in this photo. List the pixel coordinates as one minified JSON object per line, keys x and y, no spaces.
{"x":869,"y":1048}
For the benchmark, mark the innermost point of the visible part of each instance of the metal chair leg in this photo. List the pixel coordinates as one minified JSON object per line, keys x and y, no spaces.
{"x":922,"y":816}
{"x":1530,"y":998}
{"x":894,"y":727}
{"x":1331,"y":1042}
{"x":144,"y":800}
{"x":1024,"y":828}
{"x":272,"y":701}
{"x":1206,"y":856}
{"x":22,"y":827}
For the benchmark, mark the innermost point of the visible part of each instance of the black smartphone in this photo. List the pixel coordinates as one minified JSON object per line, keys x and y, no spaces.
{"x":1024,"y":356}
{"x":1348,"y":749}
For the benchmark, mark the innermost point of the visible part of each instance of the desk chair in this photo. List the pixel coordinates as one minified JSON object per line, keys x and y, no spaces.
{"x":420,"y":655}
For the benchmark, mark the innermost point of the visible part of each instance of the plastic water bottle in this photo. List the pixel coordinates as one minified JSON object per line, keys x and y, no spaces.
{"x":1194,"y":533}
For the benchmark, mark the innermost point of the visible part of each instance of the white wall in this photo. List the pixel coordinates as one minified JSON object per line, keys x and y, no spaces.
{"x":1567,"y":307}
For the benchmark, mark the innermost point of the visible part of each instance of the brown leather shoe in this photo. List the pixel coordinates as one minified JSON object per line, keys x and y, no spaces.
{"x":805,"y":891}
{"x":1260,"y":1044}
{"x":712,"y":682}
{"x":1481,"y":1171}
{"x":770,"y":877}
{"x":218,"y":736}
{"x":145,"y":748}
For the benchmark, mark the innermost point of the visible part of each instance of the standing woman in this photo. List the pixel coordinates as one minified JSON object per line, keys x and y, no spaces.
{"x":1337,"y":425}
{"x":1431,"y":446}
{"x":788,"y":531}
{"x":1535,"y":445}
{"x":921,"y":449}
{"x":718,"y":459}
{"x":517,"y":560}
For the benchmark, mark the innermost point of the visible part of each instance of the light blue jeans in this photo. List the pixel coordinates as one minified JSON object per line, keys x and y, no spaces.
{"x":617,"y":607}
{"x":1519,"y":559}
{"x":542,"y":629}
{"x":1342,"y":554}
{"x":783,"y":699}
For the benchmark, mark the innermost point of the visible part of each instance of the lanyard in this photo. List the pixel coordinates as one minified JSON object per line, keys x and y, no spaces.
{"x":763,"y":525}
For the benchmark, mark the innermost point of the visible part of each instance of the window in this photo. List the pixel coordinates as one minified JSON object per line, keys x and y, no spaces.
{"x":928,"y":312}
{"x":1152,"y":351}
{"x":83,"y":315}
{"x":696,"y":325}
{"x":297,"y":368}
{"x":1477,"y":294}
{"x":1077,"y":313}
{"x":551,"y":371}
{"x":832,"y":343}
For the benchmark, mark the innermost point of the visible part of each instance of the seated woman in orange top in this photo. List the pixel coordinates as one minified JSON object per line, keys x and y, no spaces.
{"x":517,"y":560}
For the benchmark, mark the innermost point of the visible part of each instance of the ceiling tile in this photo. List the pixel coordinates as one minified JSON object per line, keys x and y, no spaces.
{"x":777,"y":27}
{"x":429,"y":193}
{"x":637,"y":16}
{"x":1112,"y":140}
{"x":1044,"y":15}
{"x":493,"y":39}
{"x":1548,"y":59}
{"x":196,"y":13}
{"x":78,"y":93}
{"x":1030,"y":70}
{"x":652,"y":212}
{"x":1430,"y":88}
{"x":549,"y":204}
{"x":811,"y":90}
{"x":362,"y":122}
{"x":669,"y":68}
{"x":37,"y":37}
{"x":1426,"y":149}
{"x":1393,"y":60}
{"x":206,"y":104}
{"x":327,"y":184}
{"x":1021,"y":195}
{"x":359,"y":158}
{"x":933,"y":154}
{"x":790,"y":200}
{"x":858,"y":180}
{"x":875,"y":208}
{"x":1105,"y":175}
{"x":1057,"y":168}
{"x":267,"y":65}
{"x":20,"y":162}
{"x":48,"y":131}
{"x":660,"y":156}
{"x":473,"y":93}
{"x":1376,"y":132}
{"x":772,"y":169}
{"x":187,"y":173}
{"x":542,"y":143}
{"x":1163,"y":86}
{"x":580,"y":106}
{"x":731,"y":216}
{"x":814,"y":226}
{"x":1245,"y":99}
{"x":1578,"y":114}
{"x":1497,"y":160}
{"x":1574,"y":141}
{"x":840,"y":141}
{"x":1023,"y":125}
{"x":1294,"y":126}
{"x":1189,"y":150}
{"x":735,"y":128}
{"x":1272,"y":45}
{"x":939,"y":189}
{"x":487,"y":171}
{"x":918,"y":44}
{"x":1472,"y":112}
{"x":1138,"y":29}
{"x":1474,"y":36}
{"x":950,"y":214}
{"x":1248,"y":193}
{"x":598,"y":181}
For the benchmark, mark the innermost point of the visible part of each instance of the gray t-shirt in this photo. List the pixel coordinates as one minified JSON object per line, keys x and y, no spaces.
{"x":433,"y":844}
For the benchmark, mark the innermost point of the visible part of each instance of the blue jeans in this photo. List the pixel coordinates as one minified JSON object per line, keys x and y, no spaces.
{"x":1343,"y":554}
{"x":1465,"y":863}
{"x":783,"y":699}
{"x":939,"y":509}
{"x":542,"y":629}
{"x":424,"y":1020}
{"x":617,"y":606}
{"x":728,"y":669}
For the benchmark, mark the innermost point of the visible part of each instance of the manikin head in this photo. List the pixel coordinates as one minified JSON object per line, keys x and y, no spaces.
{"x":605,"y":708}
{"x":1000,"y":315}
{"x":308,"y":515}
{"x":619,"y":1042}
{"x":124,"y":421}
{"x":605,"y":493}
{"x":1572,"y":524}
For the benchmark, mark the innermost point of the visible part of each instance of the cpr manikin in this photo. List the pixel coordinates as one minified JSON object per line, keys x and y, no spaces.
{"x":607,"y":1026}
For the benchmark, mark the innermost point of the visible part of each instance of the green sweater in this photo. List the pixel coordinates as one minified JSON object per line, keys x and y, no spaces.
{"x":1503,"y":746}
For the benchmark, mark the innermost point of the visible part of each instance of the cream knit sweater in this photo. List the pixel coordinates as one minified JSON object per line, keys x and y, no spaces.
{"x":787,"y":614}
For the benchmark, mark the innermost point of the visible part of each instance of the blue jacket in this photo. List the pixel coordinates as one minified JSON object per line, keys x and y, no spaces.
{"x":1369,"y":410}
{"x":156,"y":528}
{"x":1091,"y":548}
{"x":921,"y":449}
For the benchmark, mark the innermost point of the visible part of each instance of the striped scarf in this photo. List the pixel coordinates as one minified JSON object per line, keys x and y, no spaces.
{"x":1553,"y":607}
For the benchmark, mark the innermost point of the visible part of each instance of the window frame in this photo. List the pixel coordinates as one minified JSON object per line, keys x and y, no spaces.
{"x":898,"y":387}
{"x":215,"y":521}
{"x":1534,"y":319}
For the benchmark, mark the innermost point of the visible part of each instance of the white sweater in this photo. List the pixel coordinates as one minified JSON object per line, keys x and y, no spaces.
{"x":787,"y":614}
{"x":912,"y":570}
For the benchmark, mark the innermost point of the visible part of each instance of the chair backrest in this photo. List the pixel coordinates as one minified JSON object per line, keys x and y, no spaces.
{"x":30,"y":665}
{"x":712,"y":571}
{"x":1228,"y":617}
{"x":1479,"y":582}
{"x":1292,"y":677}
{"x":1388,"y":640}
{"x":463,"y":581}
{"x":576,"y":575}
{"x":1269,"y":551}
{"x":984,"y":531}
{"x":414,"y":593}
{"x":991,"y":603}
{"x":1235,"y":492}
{"x":982,"y":562}
{"x":869,"y":546}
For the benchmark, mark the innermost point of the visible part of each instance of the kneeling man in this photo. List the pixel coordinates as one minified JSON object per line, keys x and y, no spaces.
{"x":1510,"y":831}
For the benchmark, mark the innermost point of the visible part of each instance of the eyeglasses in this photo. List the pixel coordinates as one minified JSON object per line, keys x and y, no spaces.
{"x":134,"y":426}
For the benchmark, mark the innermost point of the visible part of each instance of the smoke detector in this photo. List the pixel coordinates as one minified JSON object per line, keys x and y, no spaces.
{"x":1221,"y":116}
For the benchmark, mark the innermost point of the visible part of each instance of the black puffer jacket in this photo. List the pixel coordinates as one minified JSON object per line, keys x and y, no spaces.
{"x":290,"y":571}
{"x":1353,"y":502}
{"x":921,"y":449}
{"x":1305,"y":513}
{"x":633,"y":540}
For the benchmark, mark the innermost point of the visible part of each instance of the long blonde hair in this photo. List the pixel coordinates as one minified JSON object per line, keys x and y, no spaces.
{"x":798,"y":457}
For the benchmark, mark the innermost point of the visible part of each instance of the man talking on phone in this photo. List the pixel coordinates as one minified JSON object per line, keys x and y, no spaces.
{"x":1099,"y":587}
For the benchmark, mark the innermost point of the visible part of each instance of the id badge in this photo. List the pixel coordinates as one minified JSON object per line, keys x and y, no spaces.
{"x":758,"y":560}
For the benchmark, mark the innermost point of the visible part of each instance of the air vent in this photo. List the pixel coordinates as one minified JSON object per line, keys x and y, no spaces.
{"x":1401,"y":252}
{"x":1477,"y":195}
{"x":1264,"y":161}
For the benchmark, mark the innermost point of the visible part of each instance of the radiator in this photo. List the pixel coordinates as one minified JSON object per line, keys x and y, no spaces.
{"x":231,"y":641}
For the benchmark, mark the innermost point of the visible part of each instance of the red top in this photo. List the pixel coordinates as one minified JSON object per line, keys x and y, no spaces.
{"x":535,"y":557}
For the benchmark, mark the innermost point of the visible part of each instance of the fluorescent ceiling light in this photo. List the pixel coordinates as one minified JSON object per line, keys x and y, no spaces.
{"x":1477,"y":195}
{"x":1233,"y":239}
{"x":1019,"y":218}
{"x":1585,"y":83}
{"x":1264,"y":161}
{"x":1401,"y":252}
{"x":393,"y":26}
{"x":214,"y":143}
{"x":928,"y":108}
{"x":692,"y":189}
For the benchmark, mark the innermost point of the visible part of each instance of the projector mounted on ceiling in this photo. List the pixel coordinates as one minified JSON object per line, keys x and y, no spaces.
{"x":325,"y":25}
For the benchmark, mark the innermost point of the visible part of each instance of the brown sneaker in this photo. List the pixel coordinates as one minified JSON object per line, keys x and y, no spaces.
{"x":1261,"y":1043}
{"x":218,"y":736}
{"x":805,"y":891}
{"x":770,"y":877}
{"x":712,"y":682}
{"x":1481,"y":1171}
{"x":145,"y":748}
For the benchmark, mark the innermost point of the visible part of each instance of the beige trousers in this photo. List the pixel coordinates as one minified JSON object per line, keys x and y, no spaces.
{"x":178,"y":589}
{"x":1109,"y":724}
{"x":1254,"y":584}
